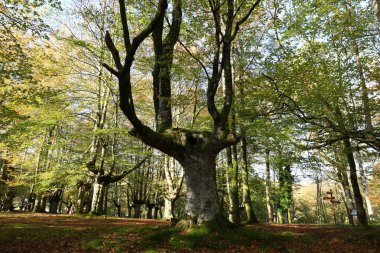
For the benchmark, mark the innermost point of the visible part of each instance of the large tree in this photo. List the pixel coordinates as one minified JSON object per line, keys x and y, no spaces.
{"x":196,"y":151}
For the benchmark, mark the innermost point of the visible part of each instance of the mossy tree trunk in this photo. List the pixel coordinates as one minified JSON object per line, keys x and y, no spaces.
{"x":195,"y":151}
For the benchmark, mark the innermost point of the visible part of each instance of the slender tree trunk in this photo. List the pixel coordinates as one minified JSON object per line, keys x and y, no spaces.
{"x":376,"y":6}
{"x":118,"y":208}
{"x":319,"y":199}
{"x":173,"y":191}
{"x":37,"y":206}
{"x":364,"y":185}
{"x":362,"y":217}
{"x":44,"y":202}
{"x":365,"y":99}
{"x":268,"y":187}
{"x":342,"y":175}
{"x":105,"y":204}
{"x":251,"y":216}
{"x":129,"y":211}
{"x":232,"y":186}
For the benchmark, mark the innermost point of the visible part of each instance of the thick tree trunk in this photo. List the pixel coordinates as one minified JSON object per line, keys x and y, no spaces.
{"x":362,"y":216}
{"x":98,"y":199}
{"x":54,"y":200}
{"x":37,"y":206}
{"x":137,"y":210}
{"x":8,"y":201}
{"x":149,"y":214}
{"x":201,"y":198}
{"x":168,"y":209}
{"x":157,"y":209}
{"x":31,"y":201}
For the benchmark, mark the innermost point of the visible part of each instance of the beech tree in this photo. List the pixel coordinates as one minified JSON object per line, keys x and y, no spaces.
{"x":196,"y":151}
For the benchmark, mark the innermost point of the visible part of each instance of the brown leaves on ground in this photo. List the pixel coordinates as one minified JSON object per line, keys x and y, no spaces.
{"x":31,"y":232}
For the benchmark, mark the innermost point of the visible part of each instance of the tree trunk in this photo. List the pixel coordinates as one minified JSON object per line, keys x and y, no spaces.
{"x":157,"y":209}
{"x":98,"y":199}
{"x":118,"y":208}
{"x":251,"y":216}
{"x":130,"y":211}
{"x":201,"y":198}
{"x":8,"y":201}
{"x":54,"y":200}
{"x":363,"y":85}
{"x":232,"y":186}
{"x":342,"y":175}
{"x":149,"y":214}
{"x":362,"y":217}
{"x":376,"y":6}
{"x":137,"y":210}
{"x":168,"y":209}
{"x":37,"y":206}
{"x":105,"y":202}
{"x":364,"y":185}
{"x":45,"y":197}
{"x":268,"y":188}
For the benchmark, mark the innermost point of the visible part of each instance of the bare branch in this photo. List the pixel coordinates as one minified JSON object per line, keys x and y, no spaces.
{"x":110,"y":69}
{"x":243,"y":19}
{"x":161,"y":9}
{"x":124,"y":22}
{"x":195,"y":58}
{"x":115,"y":53}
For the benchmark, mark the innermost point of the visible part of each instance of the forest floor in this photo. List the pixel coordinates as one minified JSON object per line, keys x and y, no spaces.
{"x":30,"y":232}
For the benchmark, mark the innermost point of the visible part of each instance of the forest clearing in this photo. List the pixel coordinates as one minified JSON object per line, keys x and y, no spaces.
{"x":23,"y":232}
{"x":180,"y":126}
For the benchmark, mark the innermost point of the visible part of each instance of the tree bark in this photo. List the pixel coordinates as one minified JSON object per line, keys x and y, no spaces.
{"x":268,"y":187}
{"x":168,"y":209}
{"x":54,"y":200}
{"x":150,"y":206}
{"x":342,"y":175}
{"x":376,"y":7}
{"x":364,"y":185}
{"x":98,"y":198}
{"x":232,"y":187}
{"x":251,"y":216}
{"x":197,"y":150}
{"x":362,"y":217}
{"x":44,"y":200}
{"x":201,"y":198}
{"x":172,"y":193}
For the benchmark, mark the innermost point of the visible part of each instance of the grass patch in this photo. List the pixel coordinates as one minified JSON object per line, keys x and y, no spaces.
{"x":202,"y":237}
{"x":93,"y":244}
